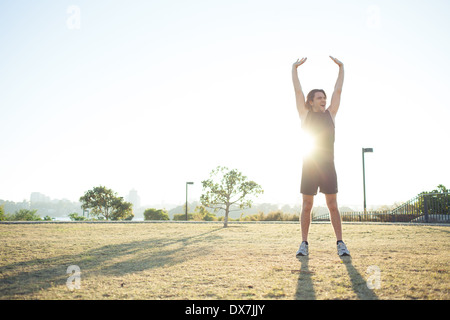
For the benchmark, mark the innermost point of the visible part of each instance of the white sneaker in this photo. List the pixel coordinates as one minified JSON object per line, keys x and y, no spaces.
{"x":303,"y":250}
{"x":342,"y":249}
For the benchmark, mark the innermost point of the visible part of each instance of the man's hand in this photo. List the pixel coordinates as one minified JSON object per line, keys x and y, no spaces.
{"x":339,"y":63}
{"x":299,"y":62}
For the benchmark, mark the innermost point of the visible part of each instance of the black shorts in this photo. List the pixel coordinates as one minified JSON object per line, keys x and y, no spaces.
{"x":318,"y":175}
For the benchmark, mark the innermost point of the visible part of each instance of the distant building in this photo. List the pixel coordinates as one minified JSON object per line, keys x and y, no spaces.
{"x":134,"y":198}
{"x":37,"y":197}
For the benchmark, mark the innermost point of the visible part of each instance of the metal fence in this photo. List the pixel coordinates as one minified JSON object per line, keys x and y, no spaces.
{"x":424,"y":208}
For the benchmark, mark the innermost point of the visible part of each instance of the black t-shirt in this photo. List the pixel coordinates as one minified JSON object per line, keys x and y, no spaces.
{"x":320,"y":126}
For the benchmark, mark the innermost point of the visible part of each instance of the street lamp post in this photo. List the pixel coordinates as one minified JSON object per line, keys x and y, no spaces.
{"x":364,"y":150}
{"x":187,"y":198}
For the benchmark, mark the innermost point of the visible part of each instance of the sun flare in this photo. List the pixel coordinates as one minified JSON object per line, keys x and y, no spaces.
{"x":307,"y":144}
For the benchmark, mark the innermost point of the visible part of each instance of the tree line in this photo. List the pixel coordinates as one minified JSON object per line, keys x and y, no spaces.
{"x":59,"y":208}
{"x":201,"y":213}
{"x":225,"y":190}
{"x":22,"y":215}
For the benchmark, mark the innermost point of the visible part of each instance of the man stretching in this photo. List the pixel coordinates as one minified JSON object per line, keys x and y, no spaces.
{"x":318,"y":166}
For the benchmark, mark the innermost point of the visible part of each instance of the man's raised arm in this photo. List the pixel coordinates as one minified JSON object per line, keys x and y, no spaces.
{"x":299,"y":96}
{"x":336,"y":97}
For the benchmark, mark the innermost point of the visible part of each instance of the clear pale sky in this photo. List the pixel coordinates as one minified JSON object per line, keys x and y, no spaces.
{"x":151,"y":94}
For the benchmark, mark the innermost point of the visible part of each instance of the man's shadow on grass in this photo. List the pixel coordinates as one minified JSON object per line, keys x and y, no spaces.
{"x":28,"y":277}
{"x":305,"y":288}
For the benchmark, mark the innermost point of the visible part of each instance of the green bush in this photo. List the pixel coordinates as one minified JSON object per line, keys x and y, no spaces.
{"x":130,"y":217}
{"x":75,"y":217}
{"x":25,"y":215}
{"x":202,"y":214}
{"x":182,"y":217}
{"x":2,"y":213}
{"x":154,"y":214}
{"x":271,"y":216}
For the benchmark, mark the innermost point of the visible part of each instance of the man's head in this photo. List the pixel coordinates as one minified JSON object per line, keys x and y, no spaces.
{"x":316,"y":100}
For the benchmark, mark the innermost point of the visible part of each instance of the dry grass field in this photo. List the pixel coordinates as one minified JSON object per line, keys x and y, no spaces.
{"x":205,"y":261}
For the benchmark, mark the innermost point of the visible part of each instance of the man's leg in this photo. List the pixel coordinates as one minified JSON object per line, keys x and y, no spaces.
{"x":334,"y":215}
{"x":305,"y":219}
